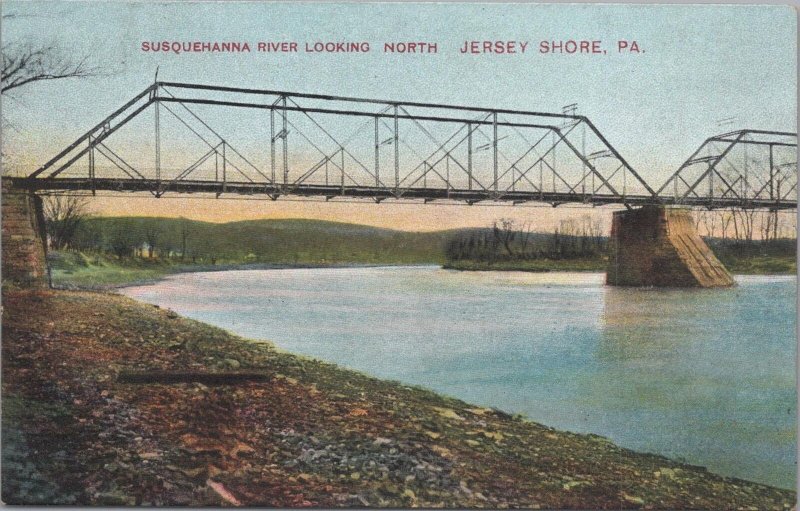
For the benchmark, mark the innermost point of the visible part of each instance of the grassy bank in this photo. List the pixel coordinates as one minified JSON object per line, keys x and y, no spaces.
{"x":759,"y":264}
{"x":532,"y":265}
{"x":89,"y":271}
{"x":77,"y":270}
{"x":313,"y":435}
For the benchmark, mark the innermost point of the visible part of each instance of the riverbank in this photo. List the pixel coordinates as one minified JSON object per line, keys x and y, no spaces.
{"x":736,"y":264}
{"x":312,"y":435}
{"x":77,"y":271}
{"x":532,"y":265}
{"x":785,"y":264}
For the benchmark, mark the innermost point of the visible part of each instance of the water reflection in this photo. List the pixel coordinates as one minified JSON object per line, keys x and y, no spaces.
{"x":722,"y":357}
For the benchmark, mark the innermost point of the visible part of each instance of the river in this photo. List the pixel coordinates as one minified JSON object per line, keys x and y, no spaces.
{"x":706,"y":376}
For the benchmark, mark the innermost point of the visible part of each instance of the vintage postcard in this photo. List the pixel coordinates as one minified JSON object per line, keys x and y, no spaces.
{"x":398,"y":255}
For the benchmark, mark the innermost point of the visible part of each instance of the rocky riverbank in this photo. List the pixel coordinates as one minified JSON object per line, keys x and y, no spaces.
{"x":310,"y":434}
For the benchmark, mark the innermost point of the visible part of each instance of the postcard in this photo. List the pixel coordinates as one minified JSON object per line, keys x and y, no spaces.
{"x":399,"y":255}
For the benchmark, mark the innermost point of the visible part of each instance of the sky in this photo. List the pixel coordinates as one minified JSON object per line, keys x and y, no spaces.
{"x":699,"y":64}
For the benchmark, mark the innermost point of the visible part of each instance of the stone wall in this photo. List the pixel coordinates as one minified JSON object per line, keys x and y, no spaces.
{"x":660,"y":246}
{"x":23,"y":242}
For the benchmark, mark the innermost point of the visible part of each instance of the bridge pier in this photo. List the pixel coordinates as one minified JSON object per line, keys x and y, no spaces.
{"x":23,"y":251}
{"x":660,"y":246}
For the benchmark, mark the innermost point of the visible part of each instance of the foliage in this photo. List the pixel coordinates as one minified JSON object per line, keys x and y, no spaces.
{"x":257,"y":241}
{"x":64,"y":215}
{"x":507,"y":241}
{"x":765,"y":256}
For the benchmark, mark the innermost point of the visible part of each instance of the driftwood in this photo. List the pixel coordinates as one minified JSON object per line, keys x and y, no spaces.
{"x":228,"y":378}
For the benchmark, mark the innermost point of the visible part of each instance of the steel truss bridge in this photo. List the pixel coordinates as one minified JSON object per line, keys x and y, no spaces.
{"x":226,"y":140}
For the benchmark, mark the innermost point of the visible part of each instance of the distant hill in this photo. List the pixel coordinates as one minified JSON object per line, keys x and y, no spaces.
{"x":277,"y":241}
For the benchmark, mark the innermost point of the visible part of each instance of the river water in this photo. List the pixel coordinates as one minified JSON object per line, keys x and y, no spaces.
{"x":704,"y":376}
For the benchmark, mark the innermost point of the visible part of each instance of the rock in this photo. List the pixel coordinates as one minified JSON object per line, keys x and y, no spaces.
{"x":632,"y":499}
{"x":114,"y":498}
{"x":223,"y":492}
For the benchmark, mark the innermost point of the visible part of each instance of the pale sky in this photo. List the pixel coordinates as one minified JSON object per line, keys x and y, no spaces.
{"x":700,"y":64}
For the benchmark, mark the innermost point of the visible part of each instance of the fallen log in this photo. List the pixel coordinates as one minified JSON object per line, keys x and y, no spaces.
{"x":168,"y":377}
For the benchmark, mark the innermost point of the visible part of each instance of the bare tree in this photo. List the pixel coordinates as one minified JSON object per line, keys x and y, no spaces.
{"x":775,"y":219}
{"x":736,"y":234}
{"x":725,"y":219}
{"x":63,"y":215}
{"x":525,"y":236}
{"x":710,"y":222}
{"x":597,"y":233}
{"x":765,"y":227}
{"x":696,"y":216}
{"x":748,"y":223}
{"x":567,"y":237}
{"x":504,"y":232}
{"x":27,"y":62}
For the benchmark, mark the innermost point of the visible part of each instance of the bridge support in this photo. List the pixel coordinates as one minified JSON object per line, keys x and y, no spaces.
{"x":23,"y":252}
{"x":659,"y":246}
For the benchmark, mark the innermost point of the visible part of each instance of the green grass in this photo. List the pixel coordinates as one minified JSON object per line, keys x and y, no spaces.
{"x":75,"y":269}
{"x":757,"y":264}
{"x":761,"y":264}
{"x":531,"y":265}
{"x":758,"y":258}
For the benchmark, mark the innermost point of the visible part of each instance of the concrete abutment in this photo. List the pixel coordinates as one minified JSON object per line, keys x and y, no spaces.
{"x":659,"y":246}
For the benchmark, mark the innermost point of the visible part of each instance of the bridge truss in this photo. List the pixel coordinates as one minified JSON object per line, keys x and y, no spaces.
{"x":746,"y":168}
{"x":181,"y":138}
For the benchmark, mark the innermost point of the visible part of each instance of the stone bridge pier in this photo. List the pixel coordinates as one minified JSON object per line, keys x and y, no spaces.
{"x":659,"y":246}
{"x":23,"y":251}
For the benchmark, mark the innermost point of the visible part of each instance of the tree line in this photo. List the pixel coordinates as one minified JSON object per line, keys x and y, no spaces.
{"x":746,"y":226}
{"x":68,"y":229}
{"x":510,"y":240}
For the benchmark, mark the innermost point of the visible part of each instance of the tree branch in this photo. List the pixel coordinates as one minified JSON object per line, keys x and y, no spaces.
{"x":25,"y":63}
